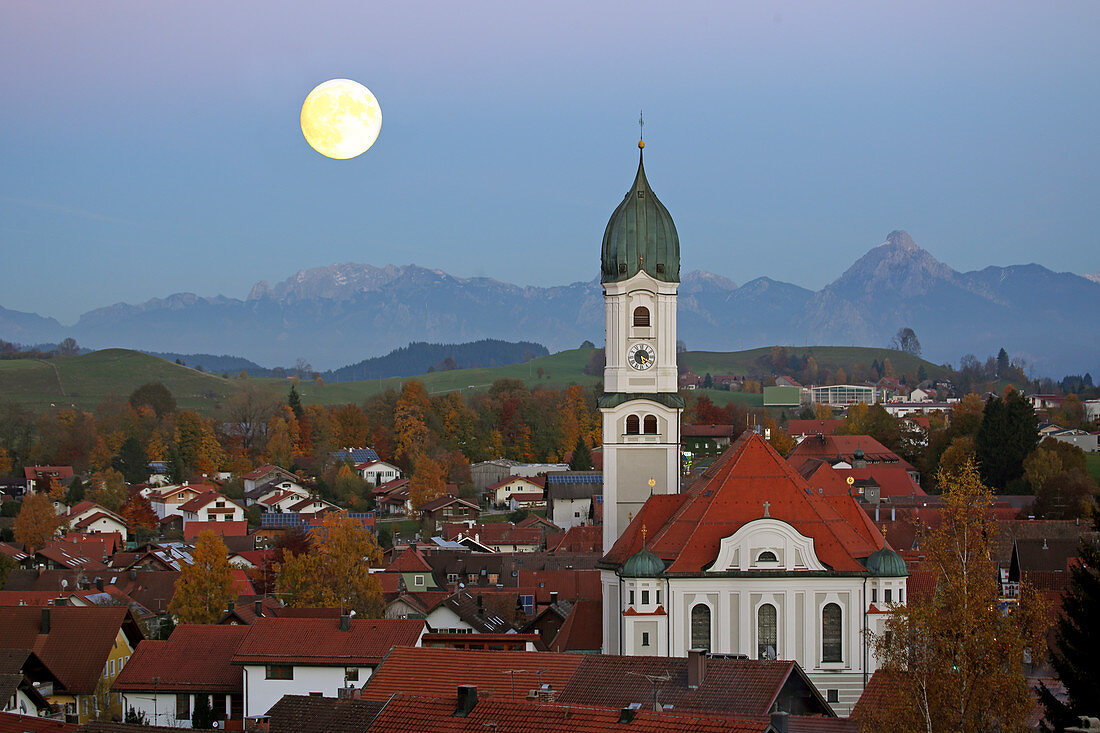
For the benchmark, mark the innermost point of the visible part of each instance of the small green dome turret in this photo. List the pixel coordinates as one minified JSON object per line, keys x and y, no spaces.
{"x":640,"y":237}
{"x":886,"y":563}
{"x":643,"y":564}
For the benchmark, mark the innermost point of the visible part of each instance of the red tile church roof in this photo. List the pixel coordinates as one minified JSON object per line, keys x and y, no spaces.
{"x":685,"y":530}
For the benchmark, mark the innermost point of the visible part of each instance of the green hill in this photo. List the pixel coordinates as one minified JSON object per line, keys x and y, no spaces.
{"x":85,"y":381}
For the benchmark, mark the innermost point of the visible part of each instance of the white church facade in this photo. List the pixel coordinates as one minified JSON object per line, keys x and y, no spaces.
{"x":752,"y":558}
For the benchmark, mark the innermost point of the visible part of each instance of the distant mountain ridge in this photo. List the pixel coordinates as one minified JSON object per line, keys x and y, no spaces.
{"x":345,"y":313}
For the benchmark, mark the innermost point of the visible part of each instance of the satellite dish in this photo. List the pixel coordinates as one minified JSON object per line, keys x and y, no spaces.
{"x":64,"y":583}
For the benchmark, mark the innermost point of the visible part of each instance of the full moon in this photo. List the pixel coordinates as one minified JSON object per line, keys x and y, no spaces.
{"x":341,"y":118}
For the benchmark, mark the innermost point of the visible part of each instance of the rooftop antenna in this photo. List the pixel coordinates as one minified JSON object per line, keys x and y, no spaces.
{"x":653,"y":680}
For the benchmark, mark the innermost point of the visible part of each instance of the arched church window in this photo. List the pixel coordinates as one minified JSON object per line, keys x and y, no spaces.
{"x":632,"y":425}
{"x":700,"y":626}
{"x":767,"y":556}
{"x":831,"y":633}
{"x":641,"y":316}
{"x":766,"y":633}
{"x":650,"y":424}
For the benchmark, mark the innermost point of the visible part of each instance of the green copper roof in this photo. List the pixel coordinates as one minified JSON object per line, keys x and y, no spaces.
{"x":643,"y":564}
{"x":886,"y":564}
{"x":614,"y":399}
{"x":640,"y":237}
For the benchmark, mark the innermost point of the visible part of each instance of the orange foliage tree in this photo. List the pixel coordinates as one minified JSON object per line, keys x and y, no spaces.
{"x":428,"y":481}
{"x":204,"y":588}
{"x":36,"y":522}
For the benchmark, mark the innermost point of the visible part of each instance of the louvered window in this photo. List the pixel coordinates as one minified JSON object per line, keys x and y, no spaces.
{"x":641,"y":316}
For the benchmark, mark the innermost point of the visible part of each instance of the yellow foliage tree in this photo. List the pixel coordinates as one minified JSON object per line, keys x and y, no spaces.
{"x":204,"y":588}
{"x":335,"y":572}
{"x":822,"y":412}
{"x":196,"y":443}
{"x":410,"y":428}
{"x":36,"y":522}
{"x":429,"y":481}
{"x":5,"y":462}
{"x":955,"y":661}
{"x":108,"y":488}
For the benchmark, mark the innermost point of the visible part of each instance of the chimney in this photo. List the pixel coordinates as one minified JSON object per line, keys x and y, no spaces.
{"x":258,"y":607}
{"x":99,"y":584}
{"x":345,"y":623}
{"x":133,"y":573}
{"x":480,"y":603}
{"x":627,"y":714}
{"x":697,"y":667}
{"x":553,"y":596}
{"x":45,"y":628}
{"x":779,"y":722}
{"x":60,"y":601}
{"x":467,"y":699}
{"x":230,"y":607}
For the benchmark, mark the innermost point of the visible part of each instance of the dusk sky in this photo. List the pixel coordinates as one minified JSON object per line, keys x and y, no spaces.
{"x":152,"y":148}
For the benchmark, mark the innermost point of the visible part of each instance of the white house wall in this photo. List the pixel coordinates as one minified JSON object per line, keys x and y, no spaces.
{"x":261,"y":694}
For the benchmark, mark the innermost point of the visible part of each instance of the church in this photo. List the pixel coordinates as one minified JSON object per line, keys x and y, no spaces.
{"x":751,"y":559}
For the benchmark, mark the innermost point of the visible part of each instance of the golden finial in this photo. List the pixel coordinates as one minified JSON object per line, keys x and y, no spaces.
{"x":644,"y":531}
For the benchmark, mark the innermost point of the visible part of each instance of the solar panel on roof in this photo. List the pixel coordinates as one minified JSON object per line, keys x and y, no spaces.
{"x":574,"y":479}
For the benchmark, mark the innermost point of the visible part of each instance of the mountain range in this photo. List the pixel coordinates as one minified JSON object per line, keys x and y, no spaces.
{"x":337,"y":315}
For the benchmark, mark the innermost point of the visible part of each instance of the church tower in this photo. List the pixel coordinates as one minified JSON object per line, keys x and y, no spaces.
{"x":640,"y":273}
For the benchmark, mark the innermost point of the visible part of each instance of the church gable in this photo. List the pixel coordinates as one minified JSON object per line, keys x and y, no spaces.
{"x":766,"y":544}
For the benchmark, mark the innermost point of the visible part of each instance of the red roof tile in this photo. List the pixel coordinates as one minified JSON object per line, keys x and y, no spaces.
{"x":410,"y":561}
{"x":843,"y":447}
{"x":582,"y":630}
{"x":194,"y":658}
{"x":437,"y":672}
{"x":579,"y":539}
{"x":312,"y":641}
{"x":813,"y":427}
{"x":78,"y":643}
{"x":13,"y":723}
{"x":409,"y":713}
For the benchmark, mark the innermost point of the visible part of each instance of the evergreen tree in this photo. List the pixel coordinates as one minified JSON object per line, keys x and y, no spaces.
{"x":1008,"y":433}
{"x":131,"y":461}
{"x":203,"y":716}
{"x":294,"y":402}
{"x":1075,"y":654}
{"x":582,"y":456}
{"x":1002,"y":362}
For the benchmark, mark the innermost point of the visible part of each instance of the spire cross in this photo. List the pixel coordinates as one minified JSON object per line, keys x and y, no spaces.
{"x":641,"y":126}
{"x":766,"y":505}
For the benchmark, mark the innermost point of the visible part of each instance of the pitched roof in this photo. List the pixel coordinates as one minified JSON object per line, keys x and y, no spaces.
{"x":843,"y":447}
{"x":442,"y":501}
{"x":685,"y":530}
{"x":495,"y":533}
{"x":580,"y":539}
{"x":582,"y":630}
{"x":538,"y":481}
{"x":258,"y":473}
{"x":311,"y":714}
{"x":319,"y":641}
{"x":78,"y":642}
{"x":438,"y":672}
{"x":527,"y":496}
{"x":14,"y":723}
{"x":413,"y":713}
{"x":814,"y":427}
{"x":708,"y":431}
{"x":729,"y":686}
{"x":410,"y":561}
{"x":192,"y":529}
{"x":194,"y":658}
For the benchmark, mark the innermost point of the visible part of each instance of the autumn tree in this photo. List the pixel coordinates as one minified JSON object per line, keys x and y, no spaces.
{"x":1065,"y":495}
{"x":155,"y":395}
{"x":108,"y":489}
{"x":138,"y":513}
{"x":335,"y":571}
{"x":36,"y":523}
{"x":248,"y":413}
{"x":410,"y":422}
{"x":906,"y":340}
{"x":427,"y":482}
{"x":196,"y":445}
{"x":205,"y":587}
{"x":956,"y":660}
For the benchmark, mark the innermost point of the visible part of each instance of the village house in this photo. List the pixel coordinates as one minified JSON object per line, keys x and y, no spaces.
{"x":85,"y":649}
{"x":502,"y":490}
{"x":307,"y":656}
{"x":91,"y":518}
{"x":569,"y":497}
{"x":378,"y":472}
{"x":164,"y":678}
{"x":167,"y":500}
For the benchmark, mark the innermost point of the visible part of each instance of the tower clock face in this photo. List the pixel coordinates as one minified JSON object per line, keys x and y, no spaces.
{"x":641,"y":356}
